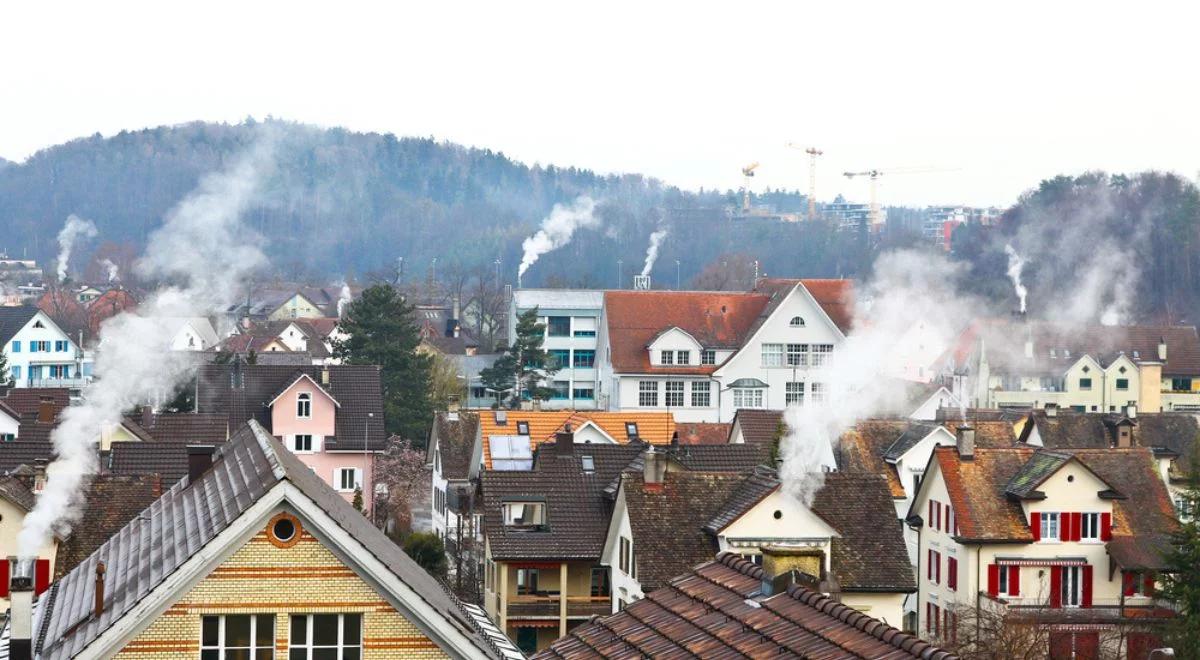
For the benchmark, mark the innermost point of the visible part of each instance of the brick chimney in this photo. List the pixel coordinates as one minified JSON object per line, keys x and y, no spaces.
{"x":20,"y":643}
{"x":564,"y":441}
{"x":98,"y":608}
{"x":147,"y":419}
{"x":200,"y":459}
{"x":45,"y":414}
{"x":965,"y":439}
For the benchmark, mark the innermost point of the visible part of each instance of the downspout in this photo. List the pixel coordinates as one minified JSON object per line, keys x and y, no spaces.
{"x":978,"y":593}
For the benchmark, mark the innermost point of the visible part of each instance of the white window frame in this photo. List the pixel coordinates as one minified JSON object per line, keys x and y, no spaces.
{"x":221,"y":647}
{"x":297,"y":449}
{"x":342,"y":644}
{"x":747,"y":397}
{"x":701,"y":394}
{"x":683,"y":357}
{"x":666,"y":357}
{"x":708,"y":356}
{"x":1072,"y":586}
{"x":793,"y":392}
{"x":772,"y":355}
{"x":673,"y":394}
{"x":796,"y":322}
{"x":1084,"y":524}
{"x":648,"y":394}
{"x":819,"y":354}
{"x":796,"y":355}
{"x":817,"y":393}
{"x":304,"y":405}
{"x":339,"y":479}
{"x":1050,"y":520}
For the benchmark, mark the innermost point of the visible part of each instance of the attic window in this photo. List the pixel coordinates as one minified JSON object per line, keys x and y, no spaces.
{"x":525,"y":515}
{"x":1086,"y":369}
{"x":631,"y":429}
{"x":1066,"y":353}
{"x":522,"y":428}
{"x":1122,"y":370}
{"x":501,"y":417}
{"x":588,"y":462}
{"x":1137,"y":354}
{"x":38,"y":324}
{"x":284,"y":530}
{"x":796,"y":322}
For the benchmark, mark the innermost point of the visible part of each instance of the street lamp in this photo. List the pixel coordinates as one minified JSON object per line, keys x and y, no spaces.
{"x":367,"y":464}
{"x":678,"y":280}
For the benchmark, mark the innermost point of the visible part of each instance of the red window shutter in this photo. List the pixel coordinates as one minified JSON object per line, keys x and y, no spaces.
{"x":1056,"y":586}
{"x":1087,"y":586}
{"x":952,"y":573}
{"x":1014,"y":580}
{"x":930,"y":521}
{"x":929,"y":565}
{"x":928,"y":614}
{"x":1106,"y":527}
{"x":1064,"y":526}
{"x":937,"y":515}
{"x":937,"y":567}
{"x":1148,"y":584}
{"x":993,"y":580}
{"x":3,"y":578}
{"x":1127,"y":582}
{"x":1076,"y":525}
{"x":41,"y":576}
{"x":1035,"y":525}
{"x":937,"y":611}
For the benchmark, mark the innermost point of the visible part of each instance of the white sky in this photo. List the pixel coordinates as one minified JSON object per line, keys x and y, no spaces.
{"x":688,"y":92}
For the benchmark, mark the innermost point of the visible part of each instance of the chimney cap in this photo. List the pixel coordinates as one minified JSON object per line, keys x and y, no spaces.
{"x":201,"y":450}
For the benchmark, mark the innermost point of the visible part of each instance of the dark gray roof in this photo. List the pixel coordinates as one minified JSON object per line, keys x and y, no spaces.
{"x":23,"y":452}
{"x":12,"y":319}
{"x":183,"y":521}
{"x":1038,"y":468}
{"x":356,"y":387}
{"x":456,"y":440}
{"x":167,"y":459}
{"x":914,"y":433}
{"x":756,"y":486}
{"x":18,"y":492}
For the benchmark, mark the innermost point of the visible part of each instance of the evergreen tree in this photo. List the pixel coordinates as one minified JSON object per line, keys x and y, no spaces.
{"x":523,"y":364}
{"x":380,"y":330}
{"x":5,"y":378}
{"x":427,"y":550}
{"x":1181,"y":584}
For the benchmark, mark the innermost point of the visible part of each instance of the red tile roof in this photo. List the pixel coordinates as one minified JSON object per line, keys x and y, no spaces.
{"x":702,"y":433}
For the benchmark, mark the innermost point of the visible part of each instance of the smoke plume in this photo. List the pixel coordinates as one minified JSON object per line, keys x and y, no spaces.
{"x":557,"y":230}
{"x":656,"y":240}
{"x":204,"y":253}
{"x":114,"y":273}
{"x":1015,"y":265}
{"x":75,"y":229}
{"x":344,"y":298}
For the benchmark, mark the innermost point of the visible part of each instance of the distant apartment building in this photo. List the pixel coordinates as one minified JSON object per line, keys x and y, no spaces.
{"x":572,"y":320}
{"x":941,"y":221}
{"x":850,"y":216}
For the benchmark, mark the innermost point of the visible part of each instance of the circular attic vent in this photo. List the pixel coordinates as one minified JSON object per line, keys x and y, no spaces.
{"x":284,"y":530}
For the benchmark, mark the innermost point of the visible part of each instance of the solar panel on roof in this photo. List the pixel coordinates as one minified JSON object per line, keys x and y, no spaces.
{"x":511,"y":452}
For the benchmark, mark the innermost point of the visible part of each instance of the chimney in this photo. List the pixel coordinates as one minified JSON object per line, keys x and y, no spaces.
{"x":99,"y":607}
{"x":457,"y":308}
{"x":784,"y":566}
{"x":1131,"y":411}
{"x":20,"y":621}
{"x":147,"y":419}
{"x":325,"y":377}
{"x":200,"y":459}
{"x":675,"y":441}
{"x":45,"y":413}
{"x":654,"y":468}
{"x":564,"y":441}
{"x":1051,"y":410}
{"x":1162,"y":349}
{"x":966,"y":442}
{"x":1029,"y":349}
{"x":39,"y":474}
{"x":1124,"y":434}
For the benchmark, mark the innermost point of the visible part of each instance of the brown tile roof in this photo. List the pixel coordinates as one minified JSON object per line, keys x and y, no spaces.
{"x":24,"y":452}
{"x":456,"y":440}
{"x":717,"y":610}
{"x":18,"y":492}
{"x":836,"y":297}
{"x":1174,"y":432}
{"x":107,"y":305}
{"x":653,"y":427}
{"x":702,"y":433}
{"x":356,"y":387}
{"x":759,"y":427}
{"x":28,"y":400}
{"x":109,"y":504}
{"x":166,"y":459}
{"x":862,"y":449}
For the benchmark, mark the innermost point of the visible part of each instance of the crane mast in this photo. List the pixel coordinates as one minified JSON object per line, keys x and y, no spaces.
{"x":748,"y":172}
{"x":812,"y":152}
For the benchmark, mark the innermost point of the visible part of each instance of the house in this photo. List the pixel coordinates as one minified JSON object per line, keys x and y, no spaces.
{"x":441,"y":329}
{"x":731,"y":607}
{"x":177,"y":428}
{"x":330,"y":416}
{"x":30,"y":413}
{"x":107,"y":305}
{"x":669,"y":520}
{"x":194,"y":334}
{"x":39,"y":352}
{"x":454,"y":454}
{"x":1028,"y":364}
{"x":252,"y":552}
{"x":1071,"y":540}
{"x":572,"y":319}
{"x":703,"y":355}
{"x":507,"y":438}
{"x":300,"y":336}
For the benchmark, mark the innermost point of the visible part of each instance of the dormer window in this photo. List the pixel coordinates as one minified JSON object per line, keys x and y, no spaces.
{"x":666,"y":357}
{"x":683,"y":357}
{"x":796,"y":322}
{"x":708,"y":356}
{"x":1053,"y":353}
{"x":525,"y":515}
{"x":304,"y":405}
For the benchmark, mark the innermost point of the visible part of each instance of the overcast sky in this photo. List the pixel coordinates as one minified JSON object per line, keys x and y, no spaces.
{"x":993,"y":100}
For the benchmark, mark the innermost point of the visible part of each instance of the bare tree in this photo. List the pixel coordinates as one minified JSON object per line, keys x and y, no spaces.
{"x":994,"y":631}
{"x":728,"y":272}
{"x":403,"y":481}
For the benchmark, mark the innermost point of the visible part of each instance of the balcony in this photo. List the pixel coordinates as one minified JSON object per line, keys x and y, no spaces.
{"x":541,"y":606}
{"x":70,"y":383}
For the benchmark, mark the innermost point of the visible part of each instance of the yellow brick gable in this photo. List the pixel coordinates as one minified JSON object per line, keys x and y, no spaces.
{"x":262,"y":578}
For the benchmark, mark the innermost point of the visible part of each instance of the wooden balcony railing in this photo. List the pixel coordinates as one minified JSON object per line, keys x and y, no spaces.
{"x":547,"y":605}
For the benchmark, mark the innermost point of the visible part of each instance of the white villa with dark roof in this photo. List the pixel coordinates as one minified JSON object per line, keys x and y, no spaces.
{"x":39,"y":352}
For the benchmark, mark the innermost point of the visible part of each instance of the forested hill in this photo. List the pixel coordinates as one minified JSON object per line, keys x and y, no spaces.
{"x":346,"y":203}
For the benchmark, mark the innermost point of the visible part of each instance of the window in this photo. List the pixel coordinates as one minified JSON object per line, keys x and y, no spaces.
{"x":794,"y":394}
{"x":1085,"y":383}
{"x":673,"y":397}
{"x":1089,"y":529}
{"x":16,"y":346}
{"x":1181,"y":384}
{"x":585,"y":333}
{"x":933,"y":570}
{"x":701,"y":394}
{"x":1183,"y":505}
{"x":560,"y":389}
{"x":347,"y":479}
{"x":754,"y":558}
{"x":237,"y":636}
{"x":683,"y":357}
{"x":304,"y":405}
{"x":747,"y":398}
{"x":624,"y":555}
{"x":600,"y":584}
{"x":772,"y":355}
{"x":1002,"y":581}
{"x":648,"y":393}
{"x":527,"y":581}
{"x":796,"y":322}
{"x":1122,"y":383}
{"x":524,"y":514}
{"x":797,"y":355}
{"x":584,"y":359}
{"x":666,"y":357}
{"x":557,"y":358}
{"x":558,"y":326}
{"x":1071,"y":585}
{"x":522,"y":428}
{"x":708,"y":356}
{"x":631,"y":430}
{"x":817,"y":392}
{"x":302,"y":443}
{"x":588,"y":463}
{"x":587,"y":392}
{"x":820,"y":354}
{"x":60,"y":346}
{"x":325,"y":637}
{"x":1049,"y":526}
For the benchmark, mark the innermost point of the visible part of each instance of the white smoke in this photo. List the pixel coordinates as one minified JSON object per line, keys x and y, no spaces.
{"x":114,"y":273}
{"x":202,"y":249}
{"x":344,"y":298}
{"x":75,"y":228}
{"x":656,"y":240}
{"x":1015,"y":265}
{"x":557,"y":230}
{"x":911,"y":298}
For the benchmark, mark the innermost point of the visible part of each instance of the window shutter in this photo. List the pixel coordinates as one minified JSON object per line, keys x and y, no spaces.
{"x":929,"y":565}
{"x":3,"y":578}
{"x":1056,"y":586}
{"x":993,"y":580}
{"x":1035,"y":525}
{"x":1064,"y":526}
{"x":937,"y":512}
{"x":930,"y":520}
{"x":1106,"y":527}
{"x":1087,"y":586}
{"x":952,"y":573}
{"x":41,"y":576}
{"x":1148,"y":584}
{"x":1076,"y":525}
{"x":928,"y":614}
{"x":1014,"y":580}
{"x":1127,"y":583}
{"x":937,"y":567}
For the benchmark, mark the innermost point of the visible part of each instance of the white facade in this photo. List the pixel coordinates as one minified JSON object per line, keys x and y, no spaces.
{"x":40,"y":354}
{"x":625,"y":586}
{"x":194,"y":334}
{"x":572,"y":320}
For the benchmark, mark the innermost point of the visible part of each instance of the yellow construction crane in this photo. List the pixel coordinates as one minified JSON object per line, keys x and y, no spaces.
{"x":874,"y":177}
{"x":812,"y":152}
{"x":748,"y":172}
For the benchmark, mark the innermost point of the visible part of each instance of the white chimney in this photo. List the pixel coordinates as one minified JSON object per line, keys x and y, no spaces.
{"x":1131,"y":411}
{"x":1051,"y":410}
{"x":1162,"y":349}
{"x":641,"y":282}
{"x":965,"y":437}
{"x":1029,"y":349}
{"x":20,"y":644}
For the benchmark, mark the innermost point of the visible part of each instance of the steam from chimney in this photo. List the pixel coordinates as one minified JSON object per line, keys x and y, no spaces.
{"x":1015,"y":265}
{"x":344,"y":298}
{"x":113,"y":271}
{"x":203,"y":250}
{"x":557,"y":230}
{"x":75,"y":228}
{"x":656,"y":240}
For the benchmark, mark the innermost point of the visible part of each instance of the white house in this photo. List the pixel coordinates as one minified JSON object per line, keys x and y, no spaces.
{"x":38,"y":352}
{"x":194,"y":334}
{"x":703,"y":354}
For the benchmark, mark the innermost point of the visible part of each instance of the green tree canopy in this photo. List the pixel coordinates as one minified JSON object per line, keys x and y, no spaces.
{"x":427,"y":550}
{"x":525,"y":363}
{"x":1182,"y":584}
